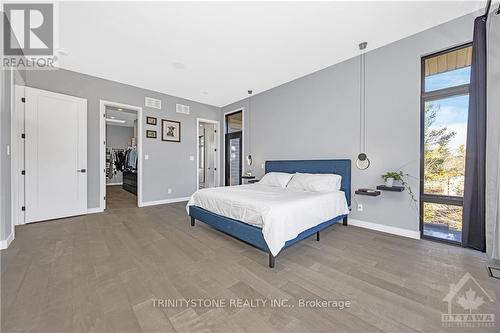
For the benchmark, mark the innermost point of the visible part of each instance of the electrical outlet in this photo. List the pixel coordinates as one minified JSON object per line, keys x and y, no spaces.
{"x":169,"y":190}
{"x":360,"y":207}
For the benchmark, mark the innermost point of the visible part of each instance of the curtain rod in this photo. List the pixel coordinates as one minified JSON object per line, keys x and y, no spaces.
{"x":488,"y":5}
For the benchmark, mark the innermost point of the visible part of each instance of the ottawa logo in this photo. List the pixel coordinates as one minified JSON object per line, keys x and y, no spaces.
{"x":465,"y":299}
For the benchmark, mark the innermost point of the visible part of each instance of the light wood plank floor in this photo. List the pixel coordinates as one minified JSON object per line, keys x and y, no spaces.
{"x":99,"y":273}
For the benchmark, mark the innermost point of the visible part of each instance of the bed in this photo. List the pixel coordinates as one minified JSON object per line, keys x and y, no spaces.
{"x":308,"y":209}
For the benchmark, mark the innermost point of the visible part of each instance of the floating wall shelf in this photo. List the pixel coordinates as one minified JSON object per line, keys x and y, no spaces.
{"x":391,"y":188}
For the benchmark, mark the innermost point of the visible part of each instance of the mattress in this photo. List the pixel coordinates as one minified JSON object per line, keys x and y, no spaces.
{"x":281,"y":213}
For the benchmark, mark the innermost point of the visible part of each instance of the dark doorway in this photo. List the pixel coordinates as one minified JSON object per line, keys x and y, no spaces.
{"x":233,"y":148}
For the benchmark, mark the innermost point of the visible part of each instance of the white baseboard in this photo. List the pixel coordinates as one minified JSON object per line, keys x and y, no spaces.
{"x":163,"y":202}
{"x":114,"y":184}
{"x":94,"y":210}
{"x":5,"y":243}
{"x":385,"y":228}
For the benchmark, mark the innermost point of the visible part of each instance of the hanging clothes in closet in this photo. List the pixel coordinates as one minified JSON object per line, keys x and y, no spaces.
{"x":131,"y":159}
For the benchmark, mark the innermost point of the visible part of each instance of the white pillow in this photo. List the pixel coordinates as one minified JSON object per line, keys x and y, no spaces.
{"x":318,"y":182}
{"x":279,"y":179}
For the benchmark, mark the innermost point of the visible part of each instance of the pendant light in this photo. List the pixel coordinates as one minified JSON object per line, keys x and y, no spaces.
{"x":362,"y":162}
{"x":249,"y":156}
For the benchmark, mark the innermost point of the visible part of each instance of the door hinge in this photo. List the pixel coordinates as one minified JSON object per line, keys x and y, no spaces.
{"x":23,"y":172}
{"x":23,"y":136}
{"x":23,"y":99}
{"x":104,"y":198}
{"x":23,"y":208}
{"x":215,"y":169}
{"x":215,"y":149}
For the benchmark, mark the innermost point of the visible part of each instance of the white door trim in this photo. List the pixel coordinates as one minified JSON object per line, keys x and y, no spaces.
{"x":223,"y":138}
{"x":17,"y":159}
{"x":16,"y":215}
{"x":217,"y":145}
{"x":102,"y":149}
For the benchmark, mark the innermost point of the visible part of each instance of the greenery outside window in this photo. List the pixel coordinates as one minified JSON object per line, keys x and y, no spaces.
{"x":444,"y":113}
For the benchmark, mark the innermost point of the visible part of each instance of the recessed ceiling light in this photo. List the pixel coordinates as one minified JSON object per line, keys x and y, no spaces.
{"x":178,"y":65}
{"x":119,"y":109}
{"x":62,"y":51}
{"x":112,"y":117}
{"x":115,"y":120}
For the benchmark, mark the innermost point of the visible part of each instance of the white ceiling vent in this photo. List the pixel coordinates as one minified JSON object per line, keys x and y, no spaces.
{"x":179,"y":108}
{"x":153,"y":103}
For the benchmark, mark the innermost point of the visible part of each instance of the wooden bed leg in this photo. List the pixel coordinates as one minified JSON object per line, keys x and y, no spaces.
{"x":317,"y":236}
{"x":344,"y":221}
{"x":192,"y":221}
{"x":271,"y":260}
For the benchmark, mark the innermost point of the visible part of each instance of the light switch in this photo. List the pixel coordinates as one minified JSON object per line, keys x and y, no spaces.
{"x":262,"y":165}
{"x":8,"y":150}
{"x":191,"y":158}
{"x":146,"y":157}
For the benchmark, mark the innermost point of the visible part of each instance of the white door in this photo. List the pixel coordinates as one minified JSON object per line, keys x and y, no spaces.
{"x":56,"y":155}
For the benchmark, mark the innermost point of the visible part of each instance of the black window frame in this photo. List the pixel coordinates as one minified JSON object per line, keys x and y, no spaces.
{"x":228,"y":136}
{"x":459,"y":90}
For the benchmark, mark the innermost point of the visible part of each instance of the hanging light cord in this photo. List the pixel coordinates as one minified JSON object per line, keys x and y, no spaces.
{"x":362,"y":102}
{"x":249,"y":121}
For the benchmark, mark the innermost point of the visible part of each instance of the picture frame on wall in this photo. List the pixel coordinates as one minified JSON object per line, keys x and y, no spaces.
{"x":151,"y":121}
{"x":170,"y":130}
{"x":151,"y":134}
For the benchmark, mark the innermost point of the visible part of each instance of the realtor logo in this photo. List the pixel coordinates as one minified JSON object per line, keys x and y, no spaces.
{"x":464,"y":302}
{"x":28,"y":29}
{"x":28,"y":36}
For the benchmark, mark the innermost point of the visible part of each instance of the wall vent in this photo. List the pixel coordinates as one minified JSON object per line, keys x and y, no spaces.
{"x":153,"y":103}
{"x":179,"y":108}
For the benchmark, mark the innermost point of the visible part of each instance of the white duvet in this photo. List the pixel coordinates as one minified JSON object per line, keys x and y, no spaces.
{"x":281,"y":213}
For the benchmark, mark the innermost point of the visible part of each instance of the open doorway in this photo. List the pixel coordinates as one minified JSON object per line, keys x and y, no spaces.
{"x":121,"y":156}
{"x":207,"y":153}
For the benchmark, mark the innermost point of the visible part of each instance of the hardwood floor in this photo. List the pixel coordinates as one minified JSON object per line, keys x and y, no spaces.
{"x":118,"y":198}
{"x":101,"y":272}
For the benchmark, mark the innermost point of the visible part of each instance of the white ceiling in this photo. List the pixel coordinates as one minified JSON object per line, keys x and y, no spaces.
{"x":128,"y":116}
{"x":214,"y":52}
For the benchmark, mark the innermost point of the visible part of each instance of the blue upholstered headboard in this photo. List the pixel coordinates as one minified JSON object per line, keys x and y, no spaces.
{"x":339,"y":167}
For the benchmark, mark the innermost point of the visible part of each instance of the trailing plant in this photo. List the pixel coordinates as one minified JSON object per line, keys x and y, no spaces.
{"x":402,"y":177}
{"x":394,"y":175}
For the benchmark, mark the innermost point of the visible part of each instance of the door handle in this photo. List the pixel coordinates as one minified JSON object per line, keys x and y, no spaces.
{"x":81,"y":170}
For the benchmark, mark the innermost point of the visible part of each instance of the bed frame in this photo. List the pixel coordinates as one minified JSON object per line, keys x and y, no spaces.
{"x":253,"y":235}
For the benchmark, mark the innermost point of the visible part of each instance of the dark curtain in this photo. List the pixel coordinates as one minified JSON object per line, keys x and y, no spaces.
{"x":473,"y":226}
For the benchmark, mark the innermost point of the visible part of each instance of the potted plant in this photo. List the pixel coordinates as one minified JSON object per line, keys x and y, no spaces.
{"x":392,"y":176}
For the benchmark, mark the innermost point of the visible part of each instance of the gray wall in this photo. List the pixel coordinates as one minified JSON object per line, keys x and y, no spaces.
{"x":493,"y":140}
{"x":168,"y":165}
{"x":317,"y":116}
{"x":118,"y":136}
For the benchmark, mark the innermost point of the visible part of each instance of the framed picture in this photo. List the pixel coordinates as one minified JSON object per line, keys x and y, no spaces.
{"x":170,"y":130}
{"x":151,"y":120}
{"x":150,"y":134}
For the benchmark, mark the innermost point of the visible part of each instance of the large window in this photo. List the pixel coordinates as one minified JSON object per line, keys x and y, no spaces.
{"x":445,"y":106}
